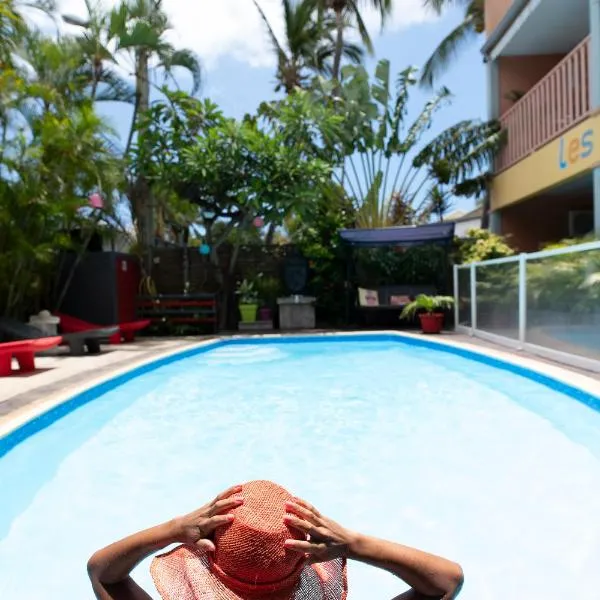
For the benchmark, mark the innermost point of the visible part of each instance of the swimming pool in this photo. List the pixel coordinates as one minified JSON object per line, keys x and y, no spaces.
{"x":392,"y":437}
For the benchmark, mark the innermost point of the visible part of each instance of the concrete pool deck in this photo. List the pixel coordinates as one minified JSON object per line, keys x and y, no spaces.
{"x":22,"y":397}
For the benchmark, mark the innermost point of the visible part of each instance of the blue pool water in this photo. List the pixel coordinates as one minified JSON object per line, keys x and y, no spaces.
{"x":410,"y":443}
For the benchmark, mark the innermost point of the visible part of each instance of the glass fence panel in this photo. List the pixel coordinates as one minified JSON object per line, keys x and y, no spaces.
{"x":563,"y":303}
{"x":498,"y":299}
{"x":464,"y":297}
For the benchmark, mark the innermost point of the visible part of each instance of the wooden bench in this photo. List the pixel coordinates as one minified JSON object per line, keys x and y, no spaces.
{"x":190,"y":309}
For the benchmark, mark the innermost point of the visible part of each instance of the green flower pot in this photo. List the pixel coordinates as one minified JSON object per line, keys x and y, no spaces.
{"x":248,"y":312}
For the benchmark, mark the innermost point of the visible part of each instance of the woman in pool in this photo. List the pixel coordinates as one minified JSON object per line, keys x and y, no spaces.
{"x":257,"y":542}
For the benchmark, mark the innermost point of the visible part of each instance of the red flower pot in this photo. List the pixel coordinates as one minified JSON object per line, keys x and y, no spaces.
{"x":432,"y":322}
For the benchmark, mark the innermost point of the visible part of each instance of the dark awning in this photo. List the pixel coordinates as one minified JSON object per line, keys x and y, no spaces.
{"x":434,"y":233}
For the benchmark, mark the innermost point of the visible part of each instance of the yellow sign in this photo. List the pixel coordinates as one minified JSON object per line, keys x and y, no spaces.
{"x":576,"y":152}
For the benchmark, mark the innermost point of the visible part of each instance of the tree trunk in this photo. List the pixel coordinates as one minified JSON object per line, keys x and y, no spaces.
{"x":339,"y":44}
{"x":485,"y":212}
{"x":143,"y":193}
{"x":270,"y":235}
{"x":97,"y":73}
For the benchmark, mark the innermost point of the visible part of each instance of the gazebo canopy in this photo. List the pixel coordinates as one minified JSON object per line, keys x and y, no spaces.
{"x":414,"y":235}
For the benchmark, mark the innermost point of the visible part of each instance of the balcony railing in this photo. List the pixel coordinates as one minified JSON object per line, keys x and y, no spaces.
{"x":555,"y":104}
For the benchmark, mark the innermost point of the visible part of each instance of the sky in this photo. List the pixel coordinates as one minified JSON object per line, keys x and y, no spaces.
{"x":239,"y":67}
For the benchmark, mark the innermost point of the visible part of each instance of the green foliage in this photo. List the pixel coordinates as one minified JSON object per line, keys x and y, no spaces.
{"x":480,"y":245}
{"x":48,"y":167}
{"x":384,"y":165}
{"x":335,"y":155}
{"x":566,"y":284}
{"x":568,"y":242}
{"x":316,"y":234}
{"x":269,"y":289}
{"x":427,"y":304}
{"x":344,"y":12}
{"x":309,"y":44}
{"x":461,"y":156}
{"x":232,"y":171}
{"x":377,"y":143}
{"x":421,"y":265}
{"x":472,"y":24}
{"x":247,"y":292}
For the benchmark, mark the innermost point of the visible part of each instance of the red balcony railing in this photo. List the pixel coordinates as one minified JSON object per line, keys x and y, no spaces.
{"x":557,"y":102}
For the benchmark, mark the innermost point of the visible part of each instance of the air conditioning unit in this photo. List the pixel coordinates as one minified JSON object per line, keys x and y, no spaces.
{"x":581,"y":223}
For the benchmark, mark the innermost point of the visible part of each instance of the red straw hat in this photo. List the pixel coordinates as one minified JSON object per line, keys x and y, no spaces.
{"x":250,"y":561}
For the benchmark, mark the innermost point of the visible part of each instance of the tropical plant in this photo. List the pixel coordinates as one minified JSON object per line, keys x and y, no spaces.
{"x":62,"y":66}
{"x":565,"y":286}
{"x":378,"y":144}
{"x":13,"y":25}
{"x":269,"y":288}
{"x":426,"y":304}
{"x":480,"y":245}
{"x":316,"y":235}
{"x":471,"y":26}
{"x":460,"y":159}
{"x":139,"y":28}
{"x":49,"y":165}
{"x":230,"y":172}
{"x":392,"y":180}
{"x":246,"y":291}
{"x":346,"y":11}
{"x":98,"y":44}
{"x":308,"y":45}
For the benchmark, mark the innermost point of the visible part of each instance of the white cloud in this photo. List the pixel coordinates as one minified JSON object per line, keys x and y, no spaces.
{"x":232,"y":28}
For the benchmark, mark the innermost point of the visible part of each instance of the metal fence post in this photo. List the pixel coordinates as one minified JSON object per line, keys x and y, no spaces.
{"x":456,"y":294}
{"x":522,"y":299}
{"x":473,"y":299}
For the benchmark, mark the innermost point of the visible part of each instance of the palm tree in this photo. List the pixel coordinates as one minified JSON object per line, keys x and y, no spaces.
{"x":97,"y":43}
{"x":141,"y":27}
{"x":345,"y":10}
{"x":461,"y":157}
{"x":13,"y":26}
{"x":309,"y":44}
{"x":62,"y":66}
{"x":471,"y":26}
{"x":438,"y":202}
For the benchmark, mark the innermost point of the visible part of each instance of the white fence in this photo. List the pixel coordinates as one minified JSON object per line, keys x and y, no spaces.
{"x":547,"y":303}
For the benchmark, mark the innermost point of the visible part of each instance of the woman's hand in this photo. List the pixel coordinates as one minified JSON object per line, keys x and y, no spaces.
{"x":196,"y":528}
{"x":327,"y":540}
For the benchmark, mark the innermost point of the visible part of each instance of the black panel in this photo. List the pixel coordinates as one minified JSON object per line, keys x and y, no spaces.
{"x":92,"y":293}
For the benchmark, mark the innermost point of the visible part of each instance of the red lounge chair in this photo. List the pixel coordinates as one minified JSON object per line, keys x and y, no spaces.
{"x":24,"y":352}
{"x":126,"y":331}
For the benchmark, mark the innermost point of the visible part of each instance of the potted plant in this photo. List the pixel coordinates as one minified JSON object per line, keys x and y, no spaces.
{"x":248,"y":301}
{"x":429,"y":309}
{"x":269,"y":289}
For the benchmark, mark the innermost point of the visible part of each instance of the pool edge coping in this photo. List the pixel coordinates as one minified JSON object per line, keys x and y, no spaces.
{"x":569,"y":382}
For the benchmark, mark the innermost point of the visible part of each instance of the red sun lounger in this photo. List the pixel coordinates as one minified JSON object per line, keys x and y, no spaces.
{"x":24,"y":353}
{"x":126,"y":331}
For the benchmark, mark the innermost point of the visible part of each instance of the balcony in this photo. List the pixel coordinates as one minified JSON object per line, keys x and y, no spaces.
{"x":550,"y":108}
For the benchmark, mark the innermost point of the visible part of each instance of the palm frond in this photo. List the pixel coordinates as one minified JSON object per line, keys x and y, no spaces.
{"x":425,"y":118}
{"x":361,"y":27}
{"x":46,"y":6}
{"x":468,"y":29}
{"x":439,"y":6}
{"x":281,"y":54}
{"x":114,"y":88}
{"x":371,"y":213}
{"x":184,"y":59}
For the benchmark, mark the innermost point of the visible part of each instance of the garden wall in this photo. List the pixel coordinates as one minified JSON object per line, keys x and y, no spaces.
{"x":171,"y":266}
